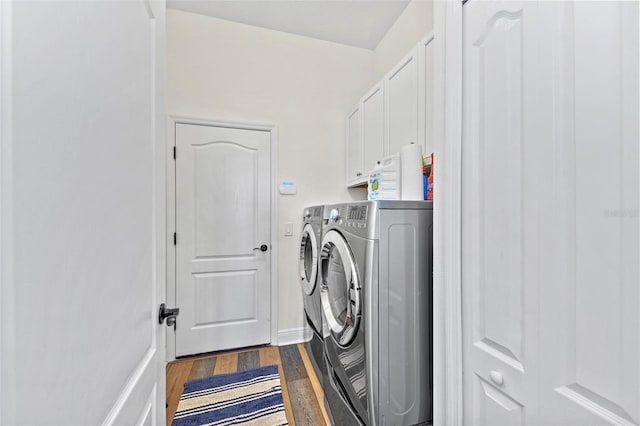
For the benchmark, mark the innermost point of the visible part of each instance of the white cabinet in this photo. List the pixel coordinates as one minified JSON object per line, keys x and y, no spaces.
{"x":398,"y":110}
{"x":372,"y":106}
{"x":365,"y":136}
{"x":355,"y":171}
{"x":401,"y":87}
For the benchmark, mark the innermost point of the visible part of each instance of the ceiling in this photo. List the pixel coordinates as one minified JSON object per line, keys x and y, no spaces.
{"x":359,"y":23}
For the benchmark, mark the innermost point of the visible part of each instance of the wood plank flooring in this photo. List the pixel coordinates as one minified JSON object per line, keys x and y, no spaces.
{"x":301,"y":389}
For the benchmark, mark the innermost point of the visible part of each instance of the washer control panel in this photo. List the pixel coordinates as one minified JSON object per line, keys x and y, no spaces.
{"x":356,"y":216}
{"x":312,"y":213}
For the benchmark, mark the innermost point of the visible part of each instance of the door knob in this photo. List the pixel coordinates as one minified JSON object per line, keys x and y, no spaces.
{"x":169,"y":314}
{"x":263,"y":247}
{"x":496,"y":377}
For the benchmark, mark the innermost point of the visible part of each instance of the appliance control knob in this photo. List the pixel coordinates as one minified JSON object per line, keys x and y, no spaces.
{"x":334,"y":215}
{"x":307,"y":213}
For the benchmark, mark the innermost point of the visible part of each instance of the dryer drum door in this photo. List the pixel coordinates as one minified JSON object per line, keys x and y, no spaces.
{"x":308,"y":259}
{"x":341,"y":291}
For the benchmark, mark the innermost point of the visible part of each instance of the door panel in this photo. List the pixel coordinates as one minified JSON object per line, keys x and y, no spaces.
{"x":207,"y":286}
{"x":600,"y":381}
{"x":495,"y":183}
{"x":84,"y":191}
{"x":222,"y":216}
{"x":215,"y":166}
{"x":497,"y":103}
{"x":494,"y":406}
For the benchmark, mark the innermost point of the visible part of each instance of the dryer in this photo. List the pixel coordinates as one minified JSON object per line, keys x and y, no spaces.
{"x":309,"y":277}
{"x":376,"y":291}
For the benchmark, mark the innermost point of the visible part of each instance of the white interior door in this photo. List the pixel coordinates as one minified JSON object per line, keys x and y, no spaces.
{"x":82,"y":213}
{"x":223,"y":279}
{"x":550,"y":213}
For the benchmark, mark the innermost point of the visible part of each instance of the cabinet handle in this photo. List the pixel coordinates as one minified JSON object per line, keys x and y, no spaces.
{"x":358,"y":174}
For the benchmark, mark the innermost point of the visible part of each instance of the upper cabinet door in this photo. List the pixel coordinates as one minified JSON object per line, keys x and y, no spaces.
{"x":355,"y":170}
{"x":425,"y":83}
{"x":401,"y":88}
{"x":373,"y":126}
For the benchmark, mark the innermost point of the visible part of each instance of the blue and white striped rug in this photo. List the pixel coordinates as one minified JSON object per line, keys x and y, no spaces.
{"x":249,"y":397}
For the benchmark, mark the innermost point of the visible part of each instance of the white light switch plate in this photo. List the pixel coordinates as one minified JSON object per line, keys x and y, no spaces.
{"x":288,"y":229}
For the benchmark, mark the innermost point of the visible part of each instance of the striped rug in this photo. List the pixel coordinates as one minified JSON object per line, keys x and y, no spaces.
{"x":249,"y":397}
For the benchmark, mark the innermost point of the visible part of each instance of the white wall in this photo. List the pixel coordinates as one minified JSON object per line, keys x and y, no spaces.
{"x":226,"y":71}
{"x":415,"y":22}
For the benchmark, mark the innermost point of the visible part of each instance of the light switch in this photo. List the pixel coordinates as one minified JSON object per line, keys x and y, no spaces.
{"x":288,"y":229}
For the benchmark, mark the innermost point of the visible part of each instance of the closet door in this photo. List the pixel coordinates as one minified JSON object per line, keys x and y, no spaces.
{"x":550,"y":213}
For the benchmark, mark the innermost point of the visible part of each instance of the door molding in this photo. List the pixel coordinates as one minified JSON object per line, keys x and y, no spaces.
{"x":7,"y":307}
{"x":172,"y":120}
{"x":447,"y":291}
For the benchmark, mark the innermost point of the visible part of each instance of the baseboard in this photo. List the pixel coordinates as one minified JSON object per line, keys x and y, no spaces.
{"x":292,"y":336}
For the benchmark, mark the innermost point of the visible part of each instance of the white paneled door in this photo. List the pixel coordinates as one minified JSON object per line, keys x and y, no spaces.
{"x":551,"y":301}
{"x":82,"y":212}
{"x":223,"y":242}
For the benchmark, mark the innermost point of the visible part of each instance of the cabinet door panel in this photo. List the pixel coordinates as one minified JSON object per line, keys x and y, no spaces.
{"x":373,"y":126}
{"x":426,"y":92}
{"x":401,"y":88}
{"x":354,"y":146}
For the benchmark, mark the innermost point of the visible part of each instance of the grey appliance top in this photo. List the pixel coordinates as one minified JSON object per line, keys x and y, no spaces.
{"x":361,"y":217}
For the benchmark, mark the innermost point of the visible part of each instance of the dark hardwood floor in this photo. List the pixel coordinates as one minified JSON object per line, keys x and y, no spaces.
{"x":301,"y":390}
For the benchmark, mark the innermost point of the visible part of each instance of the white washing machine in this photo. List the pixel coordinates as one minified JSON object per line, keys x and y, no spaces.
{"x":376,"y":275}
{"x":309,"y":277}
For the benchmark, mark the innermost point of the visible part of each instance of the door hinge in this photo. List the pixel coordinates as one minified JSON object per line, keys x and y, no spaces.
{"x":174,"y":152}
{"x":175,"y":239}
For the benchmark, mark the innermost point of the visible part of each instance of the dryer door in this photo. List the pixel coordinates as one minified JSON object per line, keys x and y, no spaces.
{"x":308,"y":259}
{"x":341,"y":292}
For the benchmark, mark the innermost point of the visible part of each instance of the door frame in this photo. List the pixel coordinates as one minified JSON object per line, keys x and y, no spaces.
{"x":172,"y":120}
{"x":447,"y":264}
{"x":7,"y":286}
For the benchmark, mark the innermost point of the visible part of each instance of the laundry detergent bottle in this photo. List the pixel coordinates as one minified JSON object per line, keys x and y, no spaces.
{"x":430,"y":182}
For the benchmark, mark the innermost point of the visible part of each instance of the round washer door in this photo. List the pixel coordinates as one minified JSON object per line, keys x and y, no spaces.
{"x":340,"y":294}
{"x":308,"y":259}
